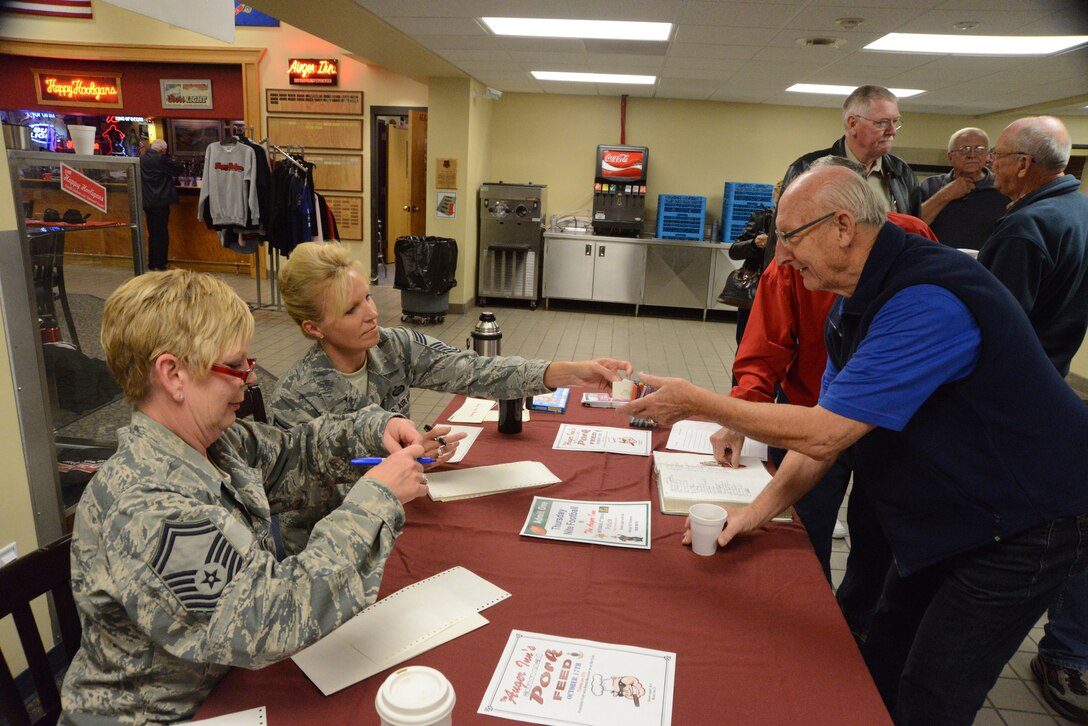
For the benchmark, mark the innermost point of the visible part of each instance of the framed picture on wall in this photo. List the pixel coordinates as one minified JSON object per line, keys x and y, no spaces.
{"x":192,"y":137}
{"x":185,"y":93}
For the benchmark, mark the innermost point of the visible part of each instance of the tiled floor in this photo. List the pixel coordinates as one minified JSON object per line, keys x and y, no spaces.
{"x":676,"y":346}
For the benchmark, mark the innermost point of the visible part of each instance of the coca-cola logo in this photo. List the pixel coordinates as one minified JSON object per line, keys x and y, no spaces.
{"x":615,"y":157}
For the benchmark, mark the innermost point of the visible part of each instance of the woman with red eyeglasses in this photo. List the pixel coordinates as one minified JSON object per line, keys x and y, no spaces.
{"x":174,"y":571}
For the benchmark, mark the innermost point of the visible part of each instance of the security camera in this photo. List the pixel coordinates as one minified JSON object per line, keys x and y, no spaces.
{"x":493,"y":93}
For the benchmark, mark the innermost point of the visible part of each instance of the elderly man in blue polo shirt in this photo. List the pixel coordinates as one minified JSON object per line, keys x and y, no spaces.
{"x":928,"y":359}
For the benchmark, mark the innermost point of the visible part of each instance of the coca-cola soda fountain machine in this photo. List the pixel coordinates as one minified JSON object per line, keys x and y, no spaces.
{"x":619,"y":190}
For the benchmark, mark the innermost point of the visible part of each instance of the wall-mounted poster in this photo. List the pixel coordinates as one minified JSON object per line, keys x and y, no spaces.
{"x":447,"y":204}
{"x":186,"y":93}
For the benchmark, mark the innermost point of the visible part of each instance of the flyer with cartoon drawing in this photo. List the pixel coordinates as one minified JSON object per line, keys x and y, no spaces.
{"x":602,"y":438}
{"x":618,"y":524}
{"x":549,"y":679}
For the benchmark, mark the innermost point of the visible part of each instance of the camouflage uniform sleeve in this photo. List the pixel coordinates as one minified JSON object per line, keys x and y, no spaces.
{"x":288,"y":405}
{"x":206,"y":591}
{"x":435,"y":365}
{"x":301,"y":466}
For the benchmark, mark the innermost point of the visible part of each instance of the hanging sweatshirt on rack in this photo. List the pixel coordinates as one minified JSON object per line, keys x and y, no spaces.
{"x":229,"y":188}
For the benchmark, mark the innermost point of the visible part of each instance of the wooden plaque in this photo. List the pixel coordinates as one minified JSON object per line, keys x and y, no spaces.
{"x":349,"y":215}
{"x":291,"y":100}
{"x":316,"y":133}
{"x":337,"y":172}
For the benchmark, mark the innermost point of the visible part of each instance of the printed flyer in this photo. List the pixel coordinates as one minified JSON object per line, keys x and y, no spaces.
{"x":602,"y":438}
{"x":548,"y":679}
{"x":618,"y":524}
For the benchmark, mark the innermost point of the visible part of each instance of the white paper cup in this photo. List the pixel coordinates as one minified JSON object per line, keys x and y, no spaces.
{"x":707,"y":522}
{"x":416,"y":696}
{"x":82,"y":138}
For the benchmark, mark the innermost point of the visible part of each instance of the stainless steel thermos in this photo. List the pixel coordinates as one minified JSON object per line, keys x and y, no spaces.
{"x":487,"y":340}
{"x":486,"y":336}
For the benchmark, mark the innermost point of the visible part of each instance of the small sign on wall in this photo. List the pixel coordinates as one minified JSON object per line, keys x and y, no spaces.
{"x":445,"y":175}
{"x":185,"y":93}
{"x":447,"y":204}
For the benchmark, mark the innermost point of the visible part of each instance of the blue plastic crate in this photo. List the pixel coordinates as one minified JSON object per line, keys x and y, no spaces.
{"x":681,"y":217}
{"x":743,"y":192}
{"x":739,"y":200}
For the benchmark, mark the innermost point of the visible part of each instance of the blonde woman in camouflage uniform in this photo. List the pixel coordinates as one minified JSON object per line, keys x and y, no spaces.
{"x":172,"y":568}
{"x":354,"y":364}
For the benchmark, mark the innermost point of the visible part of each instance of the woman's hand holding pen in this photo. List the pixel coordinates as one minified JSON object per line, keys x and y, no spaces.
{"x":440,"y":444}
{"x":402,"y":474}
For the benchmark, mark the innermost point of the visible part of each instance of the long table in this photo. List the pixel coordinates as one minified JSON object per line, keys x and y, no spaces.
{"x":758,"y":636}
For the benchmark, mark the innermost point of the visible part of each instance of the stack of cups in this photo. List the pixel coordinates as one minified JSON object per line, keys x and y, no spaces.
{"x":707,"y":522}
{"x":416,"y":696}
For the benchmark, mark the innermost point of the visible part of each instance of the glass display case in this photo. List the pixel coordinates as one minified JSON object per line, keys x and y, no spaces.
{"x":80,"y":236}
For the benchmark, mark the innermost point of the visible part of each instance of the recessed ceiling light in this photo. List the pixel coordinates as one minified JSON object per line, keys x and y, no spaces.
{"x":965,"y":25}
{"x":561,"y":28}
{"x":846,"y":90}
{"x":976,"y":44}
{"x":849,"y":23}
{"x":593,"y":77}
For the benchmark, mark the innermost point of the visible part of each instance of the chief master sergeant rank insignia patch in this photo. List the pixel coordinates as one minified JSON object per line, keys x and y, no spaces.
{"x":196,"y":562}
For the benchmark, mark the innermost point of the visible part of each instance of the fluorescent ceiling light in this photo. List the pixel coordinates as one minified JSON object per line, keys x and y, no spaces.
{"x":846,"y":90}
{"x":593,"y":77}
{"x":976,"y":44}
{"x":559,"y":28}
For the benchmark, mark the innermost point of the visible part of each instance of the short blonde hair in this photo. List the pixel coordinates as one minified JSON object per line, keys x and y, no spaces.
{"x":312,"y":269}
{"x":189,"y":314}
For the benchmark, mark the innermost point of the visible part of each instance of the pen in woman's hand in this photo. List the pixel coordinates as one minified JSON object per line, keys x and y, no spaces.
{"x":375,"y":460}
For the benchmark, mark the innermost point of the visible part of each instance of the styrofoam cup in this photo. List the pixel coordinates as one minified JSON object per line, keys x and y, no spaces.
{"x":707,"y":522}
{"x":82,"y":138}
{"x":416,"y":696}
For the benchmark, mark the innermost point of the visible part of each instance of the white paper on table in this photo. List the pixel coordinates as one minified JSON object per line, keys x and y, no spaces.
{"x":480,"y":481}
{"x":472,"y":410}
{"x":695,"y":436}
{"x":471,"y":434}
{"x":412,"y":620}
{"x":572,"y":437}
{"x":252,"y":717}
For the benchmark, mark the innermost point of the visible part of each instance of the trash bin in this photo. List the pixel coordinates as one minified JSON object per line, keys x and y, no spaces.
{"x":425,"y":269}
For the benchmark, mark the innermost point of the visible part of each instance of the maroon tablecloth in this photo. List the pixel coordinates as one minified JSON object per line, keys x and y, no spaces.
{"x":757,"y":633}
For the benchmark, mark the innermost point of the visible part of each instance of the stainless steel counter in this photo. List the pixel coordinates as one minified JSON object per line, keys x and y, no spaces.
{"x":636,"y":271}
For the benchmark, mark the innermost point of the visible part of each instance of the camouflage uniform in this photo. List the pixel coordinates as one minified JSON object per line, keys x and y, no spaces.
{"x":402,"y":359}
{"x":172,"y":570}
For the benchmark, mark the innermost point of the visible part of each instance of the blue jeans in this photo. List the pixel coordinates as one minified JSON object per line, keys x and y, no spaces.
{"x":1065,"y":636}
{"x":941,"y":636}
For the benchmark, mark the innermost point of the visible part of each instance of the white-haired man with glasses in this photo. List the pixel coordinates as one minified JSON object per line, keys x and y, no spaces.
{"x":870,"y":118}
{"x":962,"y":205}
{"x":1039,"y":250}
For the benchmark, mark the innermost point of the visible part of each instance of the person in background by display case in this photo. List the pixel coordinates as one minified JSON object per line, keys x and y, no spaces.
{"x":750,"y":247}
{"x":158,"y":172}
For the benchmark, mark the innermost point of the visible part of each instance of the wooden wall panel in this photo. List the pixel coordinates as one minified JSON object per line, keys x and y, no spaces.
{"x":349,"y":215}
{"x":291,"y":100}
{"x":314,"y":133}
{"x":337,"y":172}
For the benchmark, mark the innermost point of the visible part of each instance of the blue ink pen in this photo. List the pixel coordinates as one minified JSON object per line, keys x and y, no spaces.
{"x":375,"y":460}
